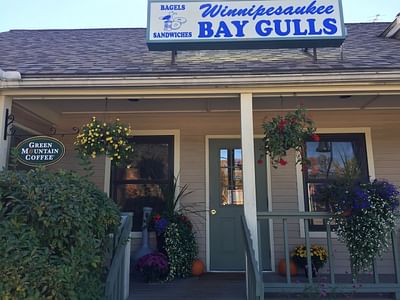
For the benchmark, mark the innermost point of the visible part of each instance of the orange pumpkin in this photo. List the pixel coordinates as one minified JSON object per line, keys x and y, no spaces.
{"x":282,"y":267}
{"x":197,"y":267}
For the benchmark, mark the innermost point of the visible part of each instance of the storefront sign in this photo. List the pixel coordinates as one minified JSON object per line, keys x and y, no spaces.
{"x":40,"y":151}
{"x":244,"y":24}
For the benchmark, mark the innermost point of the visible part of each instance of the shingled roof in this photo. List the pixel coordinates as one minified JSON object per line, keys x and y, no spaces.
{"x":95,"y":52}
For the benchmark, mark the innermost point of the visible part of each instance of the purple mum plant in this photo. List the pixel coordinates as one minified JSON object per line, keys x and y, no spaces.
{"x":154,"y":267}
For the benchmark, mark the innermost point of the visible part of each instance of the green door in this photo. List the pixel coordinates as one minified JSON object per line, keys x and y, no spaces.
{"x":226,"y":205}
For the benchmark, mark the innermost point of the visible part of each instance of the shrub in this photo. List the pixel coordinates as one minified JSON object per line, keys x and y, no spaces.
{"x":54,"y":229}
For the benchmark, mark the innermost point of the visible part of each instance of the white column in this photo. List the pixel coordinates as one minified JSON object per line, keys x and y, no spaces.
{"x":249,"y":175}
{"x":5,"y":103}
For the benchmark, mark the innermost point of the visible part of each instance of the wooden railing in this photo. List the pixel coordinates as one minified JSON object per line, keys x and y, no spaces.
{"x":117,"y":282}
{"x":332,"y":285}
{"x":254,"y":283}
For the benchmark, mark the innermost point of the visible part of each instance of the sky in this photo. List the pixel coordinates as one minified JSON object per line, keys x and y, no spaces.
{"x":61,"y":14}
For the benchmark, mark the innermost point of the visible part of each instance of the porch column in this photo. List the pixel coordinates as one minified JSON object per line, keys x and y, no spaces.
{"x":5,"y":103}
{"x":249,"y":175}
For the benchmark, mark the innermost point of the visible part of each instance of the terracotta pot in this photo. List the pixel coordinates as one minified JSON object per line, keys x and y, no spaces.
{"x":282,"y":267}
{"x":197,"y":267}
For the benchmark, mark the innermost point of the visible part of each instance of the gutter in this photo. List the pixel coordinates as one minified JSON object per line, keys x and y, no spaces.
{"x":207,"y":81}
{"x":10,"y":75}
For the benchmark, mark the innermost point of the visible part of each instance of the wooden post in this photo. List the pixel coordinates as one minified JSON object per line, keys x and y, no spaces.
{"x":249,"y":178}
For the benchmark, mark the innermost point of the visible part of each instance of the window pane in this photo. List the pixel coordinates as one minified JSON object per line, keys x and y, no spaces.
{"x":138,"y":183}
{"x":149,"y":162}
{"x":231,"y":177}
{"x":331,"y":160}
{"x":133,"y":197}
{"x":335,"y":156}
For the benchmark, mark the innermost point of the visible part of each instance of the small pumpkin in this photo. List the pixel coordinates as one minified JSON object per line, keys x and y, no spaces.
{"x":197,"y":267}
{"x":282,"y":268}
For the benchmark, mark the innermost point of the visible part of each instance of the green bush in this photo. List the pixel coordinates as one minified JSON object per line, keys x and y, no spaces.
{"x":54,"y":232}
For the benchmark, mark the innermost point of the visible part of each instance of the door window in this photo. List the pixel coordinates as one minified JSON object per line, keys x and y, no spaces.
{"x":231,"y":176}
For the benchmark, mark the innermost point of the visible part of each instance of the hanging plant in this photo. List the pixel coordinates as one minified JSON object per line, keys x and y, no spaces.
{"x":365,"y":216}
{"x":287,"y":132}
{"x":97,"y":138}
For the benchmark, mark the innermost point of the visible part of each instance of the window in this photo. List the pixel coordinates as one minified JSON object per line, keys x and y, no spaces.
{"x":333,"y":157}
{"x":140,"y":181}
{"x":231,"y":174}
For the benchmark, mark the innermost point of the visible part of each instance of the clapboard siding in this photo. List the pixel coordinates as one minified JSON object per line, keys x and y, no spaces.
{"x":194,"y":127}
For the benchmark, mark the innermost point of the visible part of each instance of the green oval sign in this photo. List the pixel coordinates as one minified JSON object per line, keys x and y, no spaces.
{"x":40,"y":151}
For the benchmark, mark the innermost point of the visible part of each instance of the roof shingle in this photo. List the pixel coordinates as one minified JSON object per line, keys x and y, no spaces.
{"x":94,"y":52}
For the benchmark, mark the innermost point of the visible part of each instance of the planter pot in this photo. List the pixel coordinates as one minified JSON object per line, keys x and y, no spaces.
{"x":282,"y":268}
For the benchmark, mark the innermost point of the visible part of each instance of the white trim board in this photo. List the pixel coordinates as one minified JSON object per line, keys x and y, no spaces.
{"x":269,"y":195}
{"x":299,"y":174}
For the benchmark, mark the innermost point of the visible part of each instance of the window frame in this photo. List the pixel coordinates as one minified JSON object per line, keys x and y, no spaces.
{"x":299,"y":174}
{"x":359,"y":138}
{"x":169,"y":139}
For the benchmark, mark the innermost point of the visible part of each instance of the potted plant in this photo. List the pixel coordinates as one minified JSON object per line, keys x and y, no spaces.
{"x":96,"y":138}
{"x":287,"y":132}
{"x":318,"y":254}
{"x":365,"y":214}
{"x":153,"y":267}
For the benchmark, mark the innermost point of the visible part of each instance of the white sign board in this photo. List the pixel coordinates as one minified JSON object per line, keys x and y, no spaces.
{"x":196,"y":24}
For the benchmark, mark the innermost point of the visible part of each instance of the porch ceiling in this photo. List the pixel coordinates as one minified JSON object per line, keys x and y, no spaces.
{"x":57,"y":107}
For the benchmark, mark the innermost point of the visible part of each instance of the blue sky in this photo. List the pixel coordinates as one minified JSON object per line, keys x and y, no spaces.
{"x":49,"y":14}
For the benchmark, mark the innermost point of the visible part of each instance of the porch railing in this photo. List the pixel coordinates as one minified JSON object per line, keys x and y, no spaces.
{"x":117,"y":282}
{"x":332,"y":286}
{"x":254,"y":283}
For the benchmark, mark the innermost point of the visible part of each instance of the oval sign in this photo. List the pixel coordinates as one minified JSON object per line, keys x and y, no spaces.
{"x":40,"y":151}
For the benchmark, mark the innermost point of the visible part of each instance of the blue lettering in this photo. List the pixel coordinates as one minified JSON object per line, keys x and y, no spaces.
{"x":288,"y":10}
{"x":205,"y":30}
{"x":262,"y":28}
{"x":278,"y":28}
{"x":311,"y":8}
{"x":301,"y":10}
{"x":330,"y":26}
{"x":223,"y":30}
{"x":239,"y":27}
{"x":329,"y":10}
{"x":297,"y":28}
{"x":311,"y":25}
{"x":210,"y":10}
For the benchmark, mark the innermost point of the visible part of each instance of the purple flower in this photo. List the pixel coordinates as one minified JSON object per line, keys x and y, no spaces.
{"x":153,"y":266}
{"x":161,"y":225}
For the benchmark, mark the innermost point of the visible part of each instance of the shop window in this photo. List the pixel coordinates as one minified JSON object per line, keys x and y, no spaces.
{"x":140,"y":181}
{"x":334,"y":157}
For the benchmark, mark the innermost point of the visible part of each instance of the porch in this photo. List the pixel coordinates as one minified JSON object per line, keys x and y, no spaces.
{"x":332,"y":281}
{"x":226,"y":286}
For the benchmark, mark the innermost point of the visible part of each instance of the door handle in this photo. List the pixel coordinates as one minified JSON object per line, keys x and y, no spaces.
{"x":213,"y":212}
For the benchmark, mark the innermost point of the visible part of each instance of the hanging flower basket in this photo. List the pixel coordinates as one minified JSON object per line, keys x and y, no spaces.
{"x":284,"y":133}
{"x":111,"y":139}
{"x":365,"y":216}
